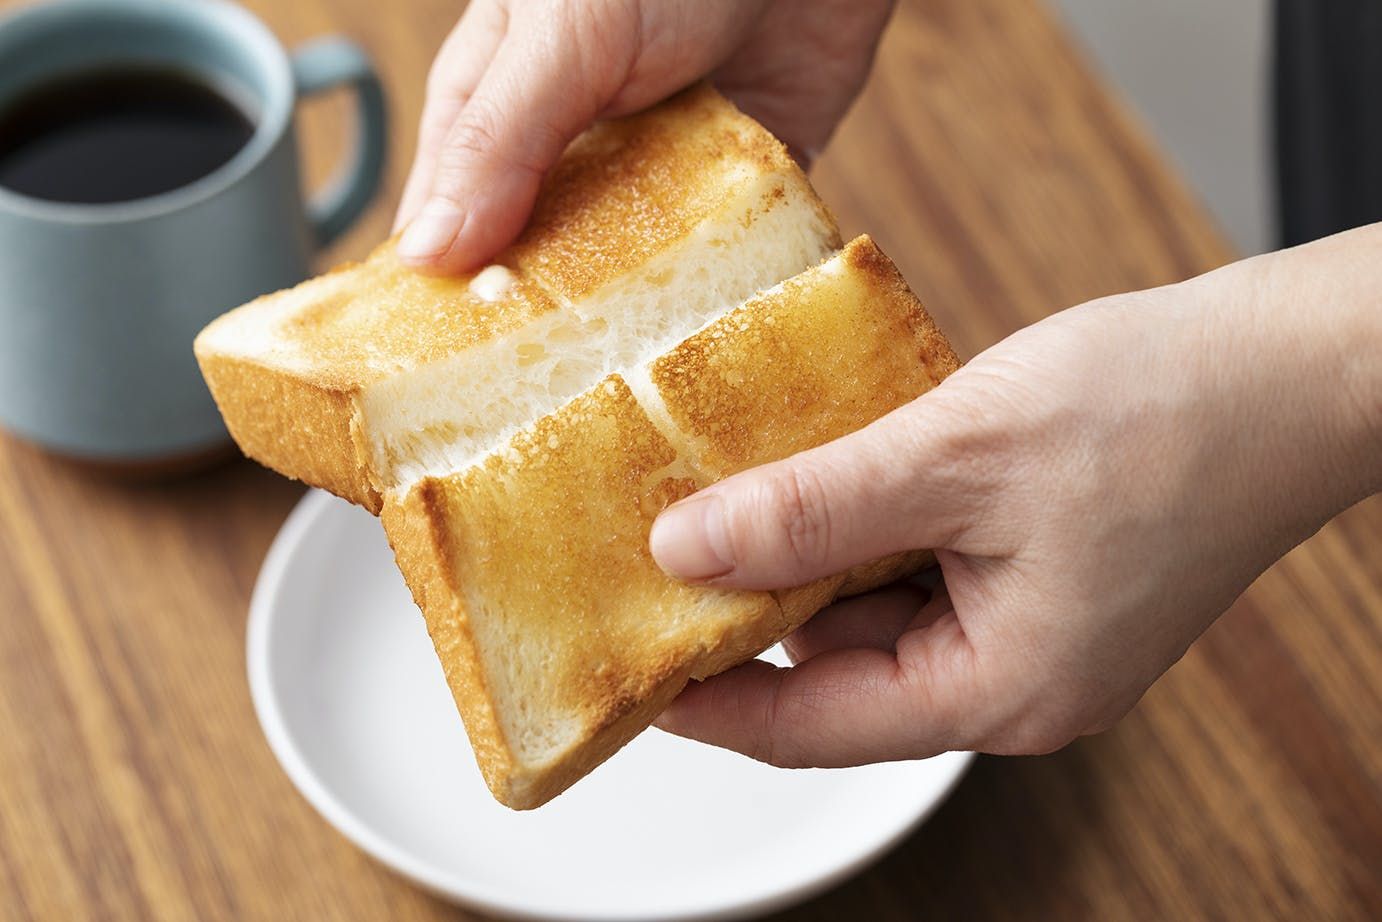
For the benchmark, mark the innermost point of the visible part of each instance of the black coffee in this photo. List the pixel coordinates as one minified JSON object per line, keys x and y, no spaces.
{"x":117,"y":135}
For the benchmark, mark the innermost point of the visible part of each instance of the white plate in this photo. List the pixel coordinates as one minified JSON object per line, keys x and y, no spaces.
{"x":353,"y":702}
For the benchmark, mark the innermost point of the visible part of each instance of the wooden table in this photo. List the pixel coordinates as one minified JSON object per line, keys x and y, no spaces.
{"x":998,"y":171}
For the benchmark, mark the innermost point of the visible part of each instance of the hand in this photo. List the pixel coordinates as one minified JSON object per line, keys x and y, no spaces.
{"x":1099,"y":488}
{"x":517,"y":80}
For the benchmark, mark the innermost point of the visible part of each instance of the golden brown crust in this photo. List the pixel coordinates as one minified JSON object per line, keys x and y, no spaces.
{"x":821,"y":356}
{"x":417,"y":530}
{"x":260,"y":404}
{"x":867,"y":261}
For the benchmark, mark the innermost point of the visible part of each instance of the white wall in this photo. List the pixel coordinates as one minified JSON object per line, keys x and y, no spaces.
{"x":1197,"y":71}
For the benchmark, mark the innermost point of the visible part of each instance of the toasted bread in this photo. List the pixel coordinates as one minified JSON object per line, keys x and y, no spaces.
{"x":559,"y":635}
{"x":520,"y":429}
{"x":373,"y":375}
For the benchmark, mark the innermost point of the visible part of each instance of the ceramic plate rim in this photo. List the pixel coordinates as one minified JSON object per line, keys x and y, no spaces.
{"x":474,"y":892}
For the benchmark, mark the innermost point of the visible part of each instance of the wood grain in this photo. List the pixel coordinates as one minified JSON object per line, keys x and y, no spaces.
{"x":1007,"y":182}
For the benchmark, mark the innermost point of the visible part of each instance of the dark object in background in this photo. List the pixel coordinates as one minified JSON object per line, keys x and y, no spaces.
{"x":116,"y":135}
{"x":1328,"y":116}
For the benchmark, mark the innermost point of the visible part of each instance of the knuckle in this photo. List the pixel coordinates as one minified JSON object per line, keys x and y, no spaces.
{"x":766,"y":750}
{"x":802,"y":515}
{"x":767,"y":745}
{"x":438,"y":116}
{"x":939,"y":719}
{"x":475,"y":133}
{"x":482,"y":135}
{"x":965,"y":453}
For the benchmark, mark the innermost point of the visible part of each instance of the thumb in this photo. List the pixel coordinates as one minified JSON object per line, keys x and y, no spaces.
{"x":891,"y":486}
{"x":539,"y":92}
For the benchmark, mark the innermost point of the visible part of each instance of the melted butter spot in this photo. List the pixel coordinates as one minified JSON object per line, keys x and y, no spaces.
{"x":491,"y":283}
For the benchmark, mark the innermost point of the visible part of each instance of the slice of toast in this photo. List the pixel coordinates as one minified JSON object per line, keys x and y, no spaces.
{"x":560,"y":637}
{"x":558,"y":634}
{"x":371,"y":376}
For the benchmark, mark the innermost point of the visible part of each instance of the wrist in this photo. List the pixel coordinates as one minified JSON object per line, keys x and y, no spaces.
{"x":1303,"y":328}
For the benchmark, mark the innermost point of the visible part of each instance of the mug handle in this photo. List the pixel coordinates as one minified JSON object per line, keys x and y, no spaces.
{"x":321,"y":65}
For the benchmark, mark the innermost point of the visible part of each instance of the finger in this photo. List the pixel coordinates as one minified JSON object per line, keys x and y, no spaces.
{"x":843,"y":707}
{"x":871,"y":621}
{"x":898,"y":484}
{"x":543,"y":88}
{"x":460,"y":63}
{"x":801,"y":90}
{"x":877,"y":620}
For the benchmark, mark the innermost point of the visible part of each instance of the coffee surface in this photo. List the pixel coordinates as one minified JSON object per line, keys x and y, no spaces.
{"x":117,"y":135}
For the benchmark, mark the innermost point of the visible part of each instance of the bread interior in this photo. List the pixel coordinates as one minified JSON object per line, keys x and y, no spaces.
{"x":447,"y":415}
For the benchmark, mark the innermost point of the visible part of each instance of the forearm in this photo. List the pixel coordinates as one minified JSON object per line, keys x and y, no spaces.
{"x":1300,"y":336}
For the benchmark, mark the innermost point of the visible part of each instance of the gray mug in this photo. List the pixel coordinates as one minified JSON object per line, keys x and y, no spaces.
{"x":99,"y":304}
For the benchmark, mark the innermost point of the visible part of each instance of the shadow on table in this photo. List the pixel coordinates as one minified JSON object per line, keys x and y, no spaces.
{"x":227,"y":509}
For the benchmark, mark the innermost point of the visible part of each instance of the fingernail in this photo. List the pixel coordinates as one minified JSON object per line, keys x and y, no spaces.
{"x":689,"y":539}
{"x":432,"y":231}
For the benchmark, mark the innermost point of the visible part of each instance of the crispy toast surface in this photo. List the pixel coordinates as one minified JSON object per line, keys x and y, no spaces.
{"x":631,"y":188}
{"x":520,"y":428}
{"x":535,"y":574}
{"x":535,"y":567}
{"x":819,"y":356}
